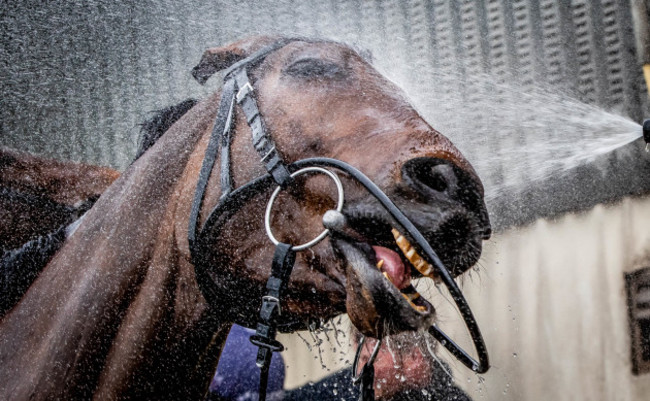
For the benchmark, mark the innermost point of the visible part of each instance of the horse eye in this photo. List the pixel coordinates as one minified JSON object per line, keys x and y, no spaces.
{"x":314,"y":68}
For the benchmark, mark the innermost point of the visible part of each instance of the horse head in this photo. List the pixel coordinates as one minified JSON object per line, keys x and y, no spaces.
{"x":118,"y":312}
{"x":324,"y":99}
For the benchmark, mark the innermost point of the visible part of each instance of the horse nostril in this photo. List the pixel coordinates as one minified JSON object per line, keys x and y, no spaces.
{"x":431,"y":176}
{"x":442,"y":178}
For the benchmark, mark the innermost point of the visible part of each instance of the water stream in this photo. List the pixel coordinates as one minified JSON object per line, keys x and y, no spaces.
{"x":517,"y":135}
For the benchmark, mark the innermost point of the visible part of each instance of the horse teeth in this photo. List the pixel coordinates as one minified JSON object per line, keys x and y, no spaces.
{"x":412,"y":297}
{"x":399,"y":238}
{"x":412,"y":256}
{"x":380,"y":264}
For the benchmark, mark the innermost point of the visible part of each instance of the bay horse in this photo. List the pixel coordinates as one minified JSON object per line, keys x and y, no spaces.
{"x":39,"y":195}
{"x":118,"y":312}
{"x":39,"y":199}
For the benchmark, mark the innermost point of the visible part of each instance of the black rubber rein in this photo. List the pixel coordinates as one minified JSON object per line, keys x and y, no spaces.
{"x":222,"y":212}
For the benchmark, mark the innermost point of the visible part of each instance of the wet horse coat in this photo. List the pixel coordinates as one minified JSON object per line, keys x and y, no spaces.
{"x":39,"y":195}
{"x":118,"y":314}
{"x":39,"y":198}
{"x":32,"y":204}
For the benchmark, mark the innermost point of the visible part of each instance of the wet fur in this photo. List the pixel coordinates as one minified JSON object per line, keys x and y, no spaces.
{"x":20,"y":266}
{"x":132,"y":323}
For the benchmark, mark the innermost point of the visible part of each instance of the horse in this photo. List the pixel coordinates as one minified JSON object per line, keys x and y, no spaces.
{"x":118,"y":313}
{"x":39,"y":195}
{"x":42,"y":199}
{"x":39,"y":199}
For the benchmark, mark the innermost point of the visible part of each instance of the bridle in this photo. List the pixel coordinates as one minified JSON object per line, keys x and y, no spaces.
{"x":238,"y":89}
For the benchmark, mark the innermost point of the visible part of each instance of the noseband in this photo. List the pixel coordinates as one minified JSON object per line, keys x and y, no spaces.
{"x":238,"y":89}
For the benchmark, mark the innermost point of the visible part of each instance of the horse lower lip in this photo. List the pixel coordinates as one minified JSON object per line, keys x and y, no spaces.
{"x":395,"y":270}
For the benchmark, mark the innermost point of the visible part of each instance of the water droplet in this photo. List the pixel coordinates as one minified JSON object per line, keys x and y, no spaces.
{"x":514,"y":354}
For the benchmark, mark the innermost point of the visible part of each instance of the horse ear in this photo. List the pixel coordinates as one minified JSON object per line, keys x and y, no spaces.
{"x":218,"y":58}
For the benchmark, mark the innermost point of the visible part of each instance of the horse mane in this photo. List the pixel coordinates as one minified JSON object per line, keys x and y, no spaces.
{"x":152,"y":129}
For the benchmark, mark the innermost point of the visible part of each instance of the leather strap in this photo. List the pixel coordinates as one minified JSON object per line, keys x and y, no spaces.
{"x":237,"y":88}
{"x":367,"y":385}
{"x":224,"y":115}
{"x":262,"y":141}
{"x":283,"y":260}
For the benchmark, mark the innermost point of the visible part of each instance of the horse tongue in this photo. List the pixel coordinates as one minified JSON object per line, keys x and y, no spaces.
{"x":393,"y":266}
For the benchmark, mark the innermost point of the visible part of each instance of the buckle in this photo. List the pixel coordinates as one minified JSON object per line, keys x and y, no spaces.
{"x":270,"y":299}
{"x":267,"y":155}
{"x":265,"y":342}
{"x":244,"y":91}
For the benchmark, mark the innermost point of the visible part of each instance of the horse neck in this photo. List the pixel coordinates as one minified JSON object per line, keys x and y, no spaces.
{"x":67,"y":183}
{"x":117,"y":313}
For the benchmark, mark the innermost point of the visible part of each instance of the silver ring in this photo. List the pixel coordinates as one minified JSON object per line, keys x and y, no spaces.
{"x":357,"y":355}
{"x":269,"y":206}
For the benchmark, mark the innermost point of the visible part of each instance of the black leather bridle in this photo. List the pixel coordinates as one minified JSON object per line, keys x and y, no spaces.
{"x":238,"y":89}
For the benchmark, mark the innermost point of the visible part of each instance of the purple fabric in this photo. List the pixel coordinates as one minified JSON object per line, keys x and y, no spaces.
{"x":237,"y":377}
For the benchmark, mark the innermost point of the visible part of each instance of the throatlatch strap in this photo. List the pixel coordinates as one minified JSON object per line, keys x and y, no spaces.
{"x":211,"y":152}
{"x":283,"y":261}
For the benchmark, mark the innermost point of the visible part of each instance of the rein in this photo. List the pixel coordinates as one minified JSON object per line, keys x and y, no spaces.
{"x":238,"y":89}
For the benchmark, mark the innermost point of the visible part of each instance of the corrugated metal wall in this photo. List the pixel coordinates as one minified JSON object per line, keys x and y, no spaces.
{"x":552,"y":303}
{"x":77,"y":77}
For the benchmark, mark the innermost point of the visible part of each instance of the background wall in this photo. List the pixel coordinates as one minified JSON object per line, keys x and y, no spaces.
{"x":552,"y":297}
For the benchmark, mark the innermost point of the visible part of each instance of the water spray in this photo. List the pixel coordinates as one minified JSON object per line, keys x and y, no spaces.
{"x":646,"y":134}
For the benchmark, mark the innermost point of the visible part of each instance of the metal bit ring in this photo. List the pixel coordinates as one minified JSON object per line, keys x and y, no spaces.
{"x":323,"y":234}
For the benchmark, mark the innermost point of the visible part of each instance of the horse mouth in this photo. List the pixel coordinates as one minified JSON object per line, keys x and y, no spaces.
{"x":381,"y":263}
{"x":398,"y":267}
